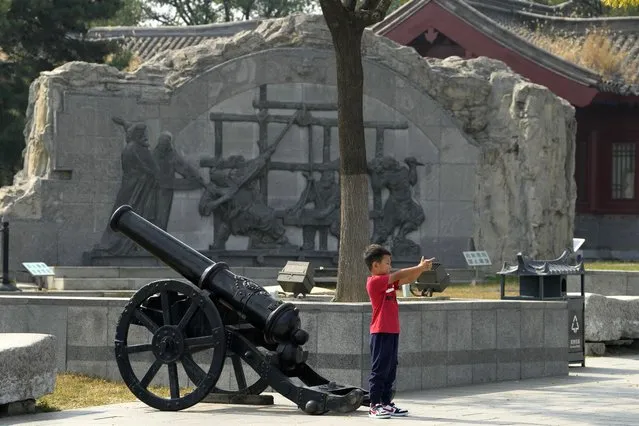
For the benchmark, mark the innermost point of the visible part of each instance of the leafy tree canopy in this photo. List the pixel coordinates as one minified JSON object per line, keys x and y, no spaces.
{"x":198,"y":12}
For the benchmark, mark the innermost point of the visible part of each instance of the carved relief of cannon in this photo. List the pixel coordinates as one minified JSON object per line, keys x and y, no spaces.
{"x":200,"y":323}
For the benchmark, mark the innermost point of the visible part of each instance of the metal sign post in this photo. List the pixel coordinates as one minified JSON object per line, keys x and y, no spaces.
{"x":6,"y":284}
{"x":475,"y":259}
{"x":38,"y":270}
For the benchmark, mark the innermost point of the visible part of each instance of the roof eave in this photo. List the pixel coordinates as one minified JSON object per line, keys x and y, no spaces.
{"x":501,"y":35}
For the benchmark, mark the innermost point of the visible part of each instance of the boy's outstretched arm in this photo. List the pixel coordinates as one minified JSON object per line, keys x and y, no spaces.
{"x":409,"y":275}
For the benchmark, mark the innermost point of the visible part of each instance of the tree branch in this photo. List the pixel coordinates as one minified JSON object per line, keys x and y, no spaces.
{"x":334,"y":13}
{"x":181,"y":12}
{"x":368,"y":5}
{"x":370,"y":17}
{"x":350,"y":4}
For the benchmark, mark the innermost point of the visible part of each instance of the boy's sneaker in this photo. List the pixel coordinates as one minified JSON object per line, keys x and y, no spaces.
{"x":378,"y":412}
{"x":394,"y":410}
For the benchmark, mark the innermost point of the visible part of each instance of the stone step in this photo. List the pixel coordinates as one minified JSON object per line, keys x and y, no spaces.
{"x":99,"y":278}
{"x":457,"y":275}
{"x":113,"y":272}
{"x":149,"y":272}
{"x":28,"y":291}
{"x":120,"y":284}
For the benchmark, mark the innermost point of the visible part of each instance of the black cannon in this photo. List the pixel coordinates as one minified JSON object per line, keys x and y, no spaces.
{"x":198,"y":324}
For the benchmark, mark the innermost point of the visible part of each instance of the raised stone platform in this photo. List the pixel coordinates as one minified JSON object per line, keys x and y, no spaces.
{"x":27,"y":370}
{"x":607,"y":283}
{"x":443,"y":343}
{"x":131,"y":278}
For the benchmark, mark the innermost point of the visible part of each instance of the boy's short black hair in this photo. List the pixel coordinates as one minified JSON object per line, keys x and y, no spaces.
{"x":375,"y":253}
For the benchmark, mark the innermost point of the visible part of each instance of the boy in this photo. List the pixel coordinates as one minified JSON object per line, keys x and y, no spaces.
{"x":384,"y":328}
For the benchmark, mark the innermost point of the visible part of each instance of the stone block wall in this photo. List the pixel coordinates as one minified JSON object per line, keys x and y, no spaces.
{"x":607,"y":283}
{"x":443,"y":343}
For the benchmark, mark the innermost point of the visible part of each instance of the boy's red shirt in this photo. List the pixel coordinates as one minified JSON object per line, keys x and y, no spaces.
{"x":384,"y":302}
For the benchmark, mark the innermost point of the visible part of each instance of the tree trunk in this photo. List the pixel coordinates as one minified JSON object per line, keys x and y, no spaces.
{"x":354,"y":232}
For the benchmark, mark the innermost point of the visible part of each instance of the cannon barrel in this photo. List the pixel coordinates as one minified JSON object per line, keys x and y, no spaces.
{"x":279,"y":321}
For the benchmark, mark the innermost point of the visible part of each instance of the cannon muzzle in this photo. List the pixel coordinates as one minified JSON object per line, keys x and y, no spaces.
{"x":279,"y":321}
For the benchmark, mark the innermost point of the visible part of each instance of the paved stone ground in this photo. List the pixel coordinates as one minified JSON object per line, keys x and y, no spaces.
{"x":604,"y":393}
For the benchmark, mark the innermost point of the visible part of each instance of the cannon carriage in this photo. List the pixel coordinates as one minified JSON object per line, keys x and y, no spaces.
{"x":200,"y":323}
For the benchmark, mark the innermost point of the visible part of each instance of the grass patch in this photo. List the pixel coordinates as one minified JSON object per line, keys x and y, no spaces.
{"x":486,"y":290}
{"x":612,"y":266}
{"x":80,"y":391}
{"x":489,"y":289}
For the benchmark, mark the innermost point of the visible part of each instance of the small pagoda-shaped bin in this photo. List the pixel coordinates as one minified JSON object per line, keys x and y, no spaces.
{"x":547,"y":280}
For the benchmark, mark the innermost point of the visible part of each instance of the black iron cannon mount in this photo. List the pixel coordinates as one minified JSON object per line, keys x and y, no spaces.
{"x":200,"y":323}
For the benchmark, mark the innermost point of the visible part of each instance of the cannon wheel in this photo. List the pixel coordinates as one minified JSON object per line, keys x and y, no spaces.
{"x":243,"y":388}
{"x":240,"y":378}
{"x":170,"y":345}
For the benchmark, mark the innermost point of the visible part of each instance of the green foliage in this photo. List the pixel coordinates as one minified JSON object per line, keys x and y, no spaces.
{"x":123,"y":59}
{"x":36,"y":36}
{"x":396,"y":4}
{"x":621,"y":4}
{"x":622,"y":11}
{"x":199,"y":12}
{"x":591,"y":8}
{"x":130,"y":14}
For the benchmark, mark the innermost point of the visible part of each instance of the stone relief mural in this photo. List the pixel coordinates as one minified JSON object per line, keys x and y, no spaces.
{"x":236,"y":192}
{"x":148,"y":181}
{"x":463,"y":119}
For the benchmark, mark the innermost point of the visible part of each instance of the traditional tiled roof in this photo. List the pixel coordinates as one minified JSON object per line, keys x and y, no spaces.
{"x":522,"y":26}
{"x":147,"y":42}
{"x":527,"y":28}
{"x":539,"y":25}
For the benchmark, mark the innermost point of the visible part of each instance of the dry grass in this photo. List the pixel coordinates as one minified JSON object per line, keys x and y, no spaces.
{"x":612,"y":266}
{"x":487,"y":290}
{"x":124,"y":61}
{"x":594,"y":52}
{"x":79,"y":391}
{"x":134,"y":64}
{"x":490,"y":289}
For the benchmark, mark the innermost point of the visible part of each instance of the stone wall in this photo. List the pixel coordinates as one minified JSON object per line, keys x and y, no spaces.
{"x":608,"y":237}
{"x":496,"y":152}
{"x":443,"y":343}
{"x":607,"y":283}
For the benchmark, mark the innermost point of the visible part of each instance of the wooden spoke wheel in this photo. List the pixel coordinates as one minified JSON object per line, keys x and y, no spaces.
{"x":241,"y":384}
{"x":182,"y":320}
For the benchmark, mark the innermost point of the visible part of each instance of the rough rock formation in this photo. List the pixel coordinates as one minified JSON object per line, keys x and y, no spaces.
{"x":27,"y":366}
{"x":525,"y":191}
{"x":610,"y":318}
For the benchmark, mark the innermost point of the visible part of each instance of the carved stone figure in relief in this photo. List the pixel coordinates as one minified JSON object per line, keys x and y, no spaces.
{"x":170,"y":162}
{"x":400,"y":215}
{"x":324,"y":194}
{"x":139,"y":185}
{"x":235,"y":196}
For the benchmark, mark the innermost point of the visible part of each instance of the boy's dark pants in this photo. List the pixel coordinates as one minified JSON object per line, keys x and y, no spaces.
{"x":384,"y":347}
